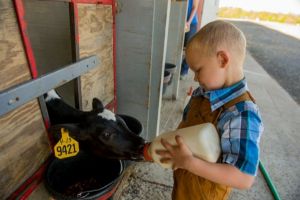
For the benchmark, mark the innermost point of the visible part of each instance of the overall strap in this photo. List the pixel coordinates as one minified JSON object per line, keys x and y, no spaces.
{"x":244,"y":97}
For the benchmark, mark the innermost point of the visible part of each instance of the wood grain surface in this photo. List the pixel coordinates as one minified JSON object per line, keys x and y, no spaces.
{"x":14,"y":68}
{"x":23,"y":139}
{"x":96,"y":38}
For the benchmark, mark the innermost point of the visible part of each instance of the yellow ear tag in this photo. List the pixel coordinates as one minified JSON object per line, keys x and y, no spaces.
{"x":66,"y":146}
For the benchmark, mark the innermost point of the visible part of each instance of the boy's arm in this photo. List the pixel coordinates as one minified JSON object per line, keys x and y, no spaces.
{"x":221,"y":173}
{"x":217,"y":172}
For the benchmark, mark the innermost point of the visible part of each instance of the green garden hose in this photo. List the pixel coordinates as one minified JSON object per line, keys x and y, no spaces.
{"x":269,"y":181}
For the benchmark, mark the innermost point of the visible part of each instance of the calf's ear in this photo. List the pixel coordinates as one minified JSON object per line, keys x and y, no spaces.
{"x":74,"y":131}
{"x":97,"y":106}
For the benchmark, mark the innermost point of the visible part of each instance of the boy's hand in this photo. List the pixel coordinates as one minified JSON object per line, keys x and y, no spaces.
{"x":187,"y":27}
{"x":178,"y":154}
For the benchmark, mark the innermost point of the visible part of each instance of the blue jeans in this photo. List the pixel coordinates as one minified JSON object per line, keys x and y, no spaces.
{"x":187,"y":37}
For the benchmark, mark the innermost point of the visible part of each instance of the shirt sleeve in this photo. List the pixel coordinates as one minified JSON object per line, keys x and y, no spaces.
{"x":240,"y":136}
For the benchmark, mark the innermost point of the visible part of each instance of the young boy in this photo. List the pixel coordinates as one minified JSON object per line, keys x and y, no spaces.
{"x":216,"y":55}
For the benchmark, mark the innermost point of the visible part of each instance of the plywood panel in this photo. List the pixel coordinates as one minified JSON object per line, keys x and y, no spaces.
{"x":13,"y":66}
{"x":23,"y":139}
{"x":24,"y":146}
{"x":96,"y":38}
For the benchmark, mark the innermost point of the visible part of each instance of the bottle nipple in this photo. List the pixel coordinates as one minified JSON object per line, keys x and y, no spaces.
{"x":146,"y":153}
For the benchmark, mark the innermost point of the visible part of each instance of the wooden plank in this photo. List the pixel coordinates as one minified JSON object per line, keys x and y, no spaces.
{"x":13,"y":64}
{"x":141,"y":43}
{"x":159,"y":42}
{"x":175,"y":43}
{"x":134,"y":47}
{"x":24,"y":146}
{"x":23,"y":139}
{"x":141,"y":56}
{"x":96,"y":38}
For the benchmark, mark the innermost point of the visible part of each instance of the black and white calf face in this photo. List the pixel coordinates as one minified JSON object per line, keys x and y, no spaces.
{"x":99,"y":131}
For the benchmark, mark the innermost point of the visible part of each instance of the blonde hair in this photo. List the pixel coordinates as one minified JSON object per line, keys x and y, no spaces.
{"x":219,"y":34}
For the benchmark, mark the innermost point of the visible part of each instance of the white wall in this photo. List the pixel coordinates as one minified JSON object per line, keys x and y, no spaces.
{"x":210,"y":10}
{"x":141,"y":33}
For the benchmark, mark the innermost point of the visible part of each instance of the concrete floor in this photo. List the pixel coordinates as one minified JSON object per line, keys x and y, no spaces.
{"x":280,"y":151}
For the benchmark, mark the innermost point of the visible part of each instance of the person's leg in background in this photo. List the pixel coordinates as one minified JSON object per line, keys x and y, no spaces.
{"x":184,"y":66}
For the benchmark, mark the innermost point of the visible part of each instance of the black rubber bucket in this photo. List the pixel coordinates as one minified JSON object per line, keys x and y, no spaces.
{"x":167,"y":80}
{"x":133,"y":124}
{"x":170,"y":68}
{"x":83,"y":177}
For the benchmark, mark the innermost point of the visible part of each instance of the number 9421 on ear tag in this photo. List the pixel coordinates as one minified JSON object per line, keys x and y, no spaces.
{"x":66,"y":146}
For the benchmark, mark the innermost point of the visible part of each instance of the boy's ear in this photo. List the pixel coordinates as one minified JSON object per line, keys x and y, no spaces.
{"x":223,"y":58}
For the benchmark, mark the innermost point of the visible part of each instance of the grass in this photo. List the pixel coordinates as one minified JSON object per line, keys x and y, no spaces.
{"x":263,"y":16}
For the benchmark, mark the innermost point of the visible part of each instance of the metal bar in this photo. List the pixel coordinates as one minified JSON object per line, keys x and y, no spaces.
{"x":16,"y":96}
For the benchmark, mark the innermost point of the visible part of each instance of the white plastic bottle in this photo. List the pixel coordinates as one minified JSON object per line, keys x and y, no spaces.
{"x":203,"y":140}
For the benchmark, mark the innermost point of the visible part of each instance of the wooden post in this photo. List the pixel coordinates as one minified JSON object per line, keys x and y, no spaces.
{"x":175,"y":43}
{"x":141,"y":42}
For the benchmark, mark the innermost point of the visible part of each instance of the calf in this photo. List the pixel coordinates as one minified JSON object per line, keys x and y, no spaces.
{"x":98,"y":131}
